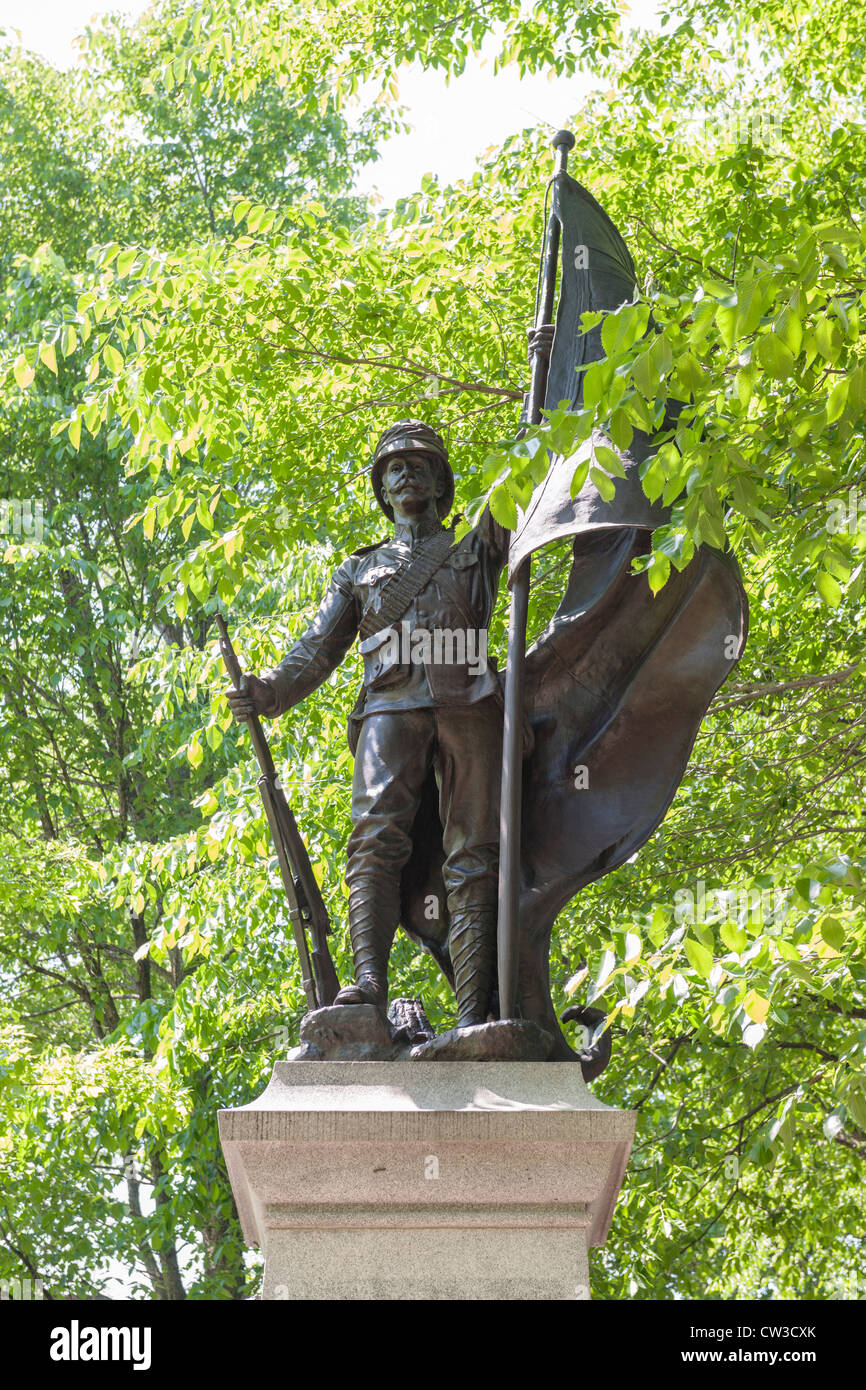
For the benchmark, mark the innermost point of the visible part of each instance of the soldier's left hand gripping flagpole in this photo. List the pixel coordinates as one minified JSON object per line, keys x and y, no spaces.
{"x":306,"y":904}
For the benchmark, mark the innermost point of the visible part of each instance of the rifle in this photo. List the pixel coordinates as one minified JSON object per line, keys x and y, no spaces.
{"x":306,"y":905}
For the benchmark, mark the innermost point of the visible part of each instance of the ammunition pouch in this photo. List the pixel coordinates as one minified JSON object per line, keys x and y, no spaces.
{"x":382,"y":665}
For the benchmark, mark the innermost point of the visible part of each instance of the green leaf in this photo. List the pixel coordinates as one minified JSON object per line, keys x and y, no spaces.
{"x":112,"y":358}
{"x":606,"y":967}
{"x":606,"y":486}
{"x":700,"y":958}
{"x":621,"y":429}
{"x":504,"y":508}
{"x":48,"y":356}
{"x":633,"y":947}
{"x":23,"y":373}
{"x":837,"y":400}
{"x":644,"y":375}
{"x":726,"y":318}
{"x":855,"y":1101}
{"x":623,"y":328}
{"x":756,"y":1006}
{"x":790,"y":330}
{"x":579,"y":477}
{"x":775,"y":356}
{"x":160,"y":427}
{"x":828,"y":588}
{"x":653,"y":478}
{"x":658,"y":572}
{"x":750,"y":308}
{"x":690,"y":375}
{"x":609,"y":460}
{"x":734,"y":937}
{"x":833,"y":933}
{"x":594,"y":382}
{"x":828,"y":339}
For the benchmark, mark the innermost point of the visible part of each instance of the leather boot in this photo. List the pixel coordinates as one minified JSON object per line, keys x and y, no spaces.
{"x":373,"y":911}
{"x":472,"y":945}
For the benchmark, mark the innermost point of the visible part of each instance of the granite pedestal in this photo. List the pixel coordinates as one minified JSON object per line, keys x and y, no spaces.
{"x":426,"y":1180}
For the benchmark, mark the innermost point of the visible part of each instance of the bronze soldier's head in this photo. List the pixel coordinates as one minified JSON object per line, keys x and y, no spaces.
{"x":411,"y":462}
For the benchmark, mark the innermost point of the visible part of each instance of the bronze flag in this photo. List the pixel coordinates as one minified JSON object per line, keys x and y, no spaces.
{"x":617,"y":685}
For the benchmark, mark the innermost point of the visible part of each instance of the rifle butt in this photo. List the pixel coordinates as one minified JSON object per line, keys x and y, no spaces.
{"x":267,"y":794}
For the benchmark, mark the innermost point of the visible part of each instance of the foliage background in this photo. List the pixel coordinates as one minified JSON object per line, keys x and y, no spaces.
{"x":202,"y":331}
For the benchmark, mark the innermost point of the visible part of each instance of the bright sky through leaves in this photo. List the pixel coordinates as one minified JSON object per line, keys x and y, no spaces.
{"x":451,"y":124}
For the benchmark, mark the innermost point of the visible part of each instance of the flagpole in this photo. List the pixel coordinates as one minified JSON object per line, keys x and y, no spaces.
{"x":512,"y":741}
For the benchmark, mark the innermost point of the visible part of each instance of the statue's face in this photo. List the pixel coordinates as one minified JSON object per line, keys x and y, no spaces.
{"x":412,"y":483}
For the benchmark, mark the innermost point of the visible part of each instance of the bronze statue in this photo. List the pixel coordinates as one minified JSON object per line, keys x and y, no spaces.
{"x":431,"y":702}
{"x":597,"y":721}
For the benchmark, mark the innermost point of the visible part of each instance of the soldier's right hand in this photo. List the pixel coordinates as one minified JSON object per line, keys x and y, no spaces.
{"x":254,"y":697}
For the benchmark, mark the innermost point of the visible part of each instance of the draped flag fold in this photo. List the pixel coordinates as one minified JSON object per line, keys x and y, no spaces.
{"x":618,"y":684}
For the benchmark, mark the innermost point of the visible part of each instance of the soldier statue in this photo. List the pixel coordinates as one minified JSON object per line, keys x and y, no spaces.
{"x":431,"y":699}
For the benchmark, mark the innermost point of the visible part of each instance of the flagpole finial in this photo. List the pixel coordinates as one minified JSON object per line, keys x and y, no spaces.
{"x":562,"y":142}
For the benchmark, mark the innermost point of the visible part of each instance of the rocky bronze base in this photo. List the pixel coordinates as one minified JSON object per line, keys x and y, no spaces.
{"x":365,"y":1033}
{"x":362,"y":1033}
{"x":502,"y":1040}
{"x":346,"y":1033}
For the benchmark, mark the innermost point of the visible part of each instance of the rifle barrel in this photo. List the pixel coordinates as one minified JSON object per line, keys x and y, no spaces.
{"x":306,"y":904}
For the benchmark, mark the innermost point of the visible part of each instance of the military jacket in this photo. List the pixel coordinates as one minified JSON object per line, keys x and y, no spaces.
{"x":435,"y":655}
